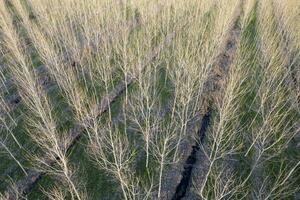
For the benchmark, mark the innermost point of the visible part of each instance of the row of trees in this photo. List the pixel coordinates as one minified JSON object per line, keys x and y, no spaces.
{"x":134,"y":77}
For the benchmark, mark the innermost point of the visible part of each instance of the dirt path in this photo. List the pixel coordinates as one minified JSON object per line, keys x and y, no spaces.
{"x":193,"y":163}
{"x":189,"y":167}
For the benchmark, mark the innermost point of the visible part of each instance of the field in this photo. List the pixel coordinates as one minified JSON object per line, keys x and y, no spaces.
{"x":150,"y":99}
